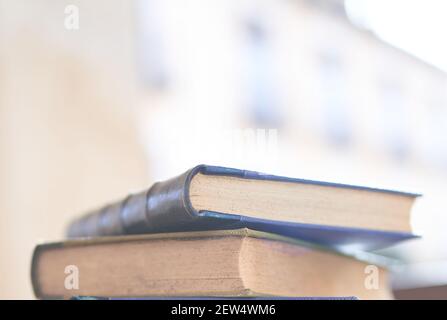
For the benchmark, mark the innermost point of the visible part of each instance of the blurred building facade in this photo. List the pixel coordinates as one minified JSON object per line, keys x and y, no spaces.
{"x":344,"y":105}
{"x":147,"y":88}
{"x":300,"y":67}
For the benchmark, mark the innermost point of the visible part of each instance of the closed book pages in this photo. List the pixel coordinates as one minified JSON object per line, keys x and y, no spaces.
{"x":210,"y":198}
{"x":226,"y":263}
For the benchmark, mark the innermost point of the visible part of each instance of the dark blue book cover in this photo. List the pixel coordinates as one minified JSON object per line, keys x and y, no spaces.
{"x":167,"y":207}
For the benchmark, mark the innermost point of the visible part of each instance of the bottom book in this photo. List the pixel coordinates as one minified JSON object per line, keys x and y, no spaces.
{"x":225,"y":263}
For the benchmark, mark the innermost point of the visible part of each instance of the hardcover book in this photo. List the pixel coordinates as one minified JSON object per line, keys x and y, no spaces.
{"x":223,"y":263}
{"x":210,"y":198}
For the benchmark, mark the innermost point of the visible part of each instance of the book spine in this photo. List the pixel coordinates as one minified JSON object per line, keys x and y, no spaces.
{"x":163,"y":207}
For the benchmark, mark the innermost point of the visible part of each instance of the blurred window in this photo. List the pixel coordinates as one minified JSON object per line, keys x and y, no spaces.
{"x":152,"y":66}
{"x":394,"y":114}
{"x":437,"y":141}
{"x":334,"y":98}
{"x":263,"y":99}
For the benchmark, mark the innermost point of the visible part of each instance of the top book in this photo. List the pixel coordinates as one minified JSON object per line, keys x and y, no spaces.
{"x":208,"y":197}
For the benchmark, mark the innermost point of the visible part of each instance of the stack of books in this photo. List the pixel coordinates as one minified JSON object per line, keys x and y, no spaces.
{"x":223,"y":232}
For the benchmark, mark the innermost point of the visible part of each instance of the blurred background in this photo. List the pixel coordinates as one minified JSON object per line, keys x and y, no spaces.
{"x":101,"y":98}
